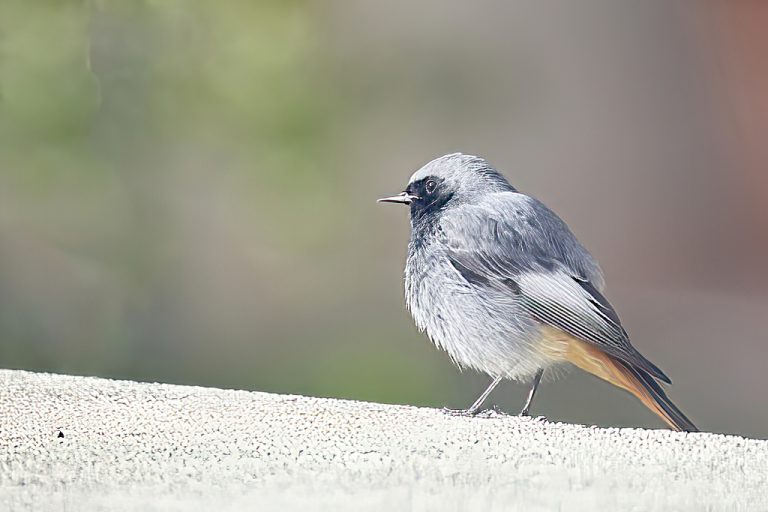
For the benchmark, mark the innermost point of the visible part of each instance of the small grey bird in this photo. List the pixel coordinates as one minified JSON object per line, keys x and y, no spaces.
{"x":498,"y":281}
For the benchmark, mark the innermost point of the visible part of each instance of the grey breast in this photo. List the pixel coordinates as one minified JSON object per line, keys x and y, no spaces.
{"x":480,"y":328}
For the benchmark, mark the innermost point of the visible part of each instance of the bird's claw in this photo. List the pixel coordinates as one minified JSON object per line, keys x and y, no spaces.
{"x":532,"y":418}
{"x":494,"y":411}
{"x":466,"y":413}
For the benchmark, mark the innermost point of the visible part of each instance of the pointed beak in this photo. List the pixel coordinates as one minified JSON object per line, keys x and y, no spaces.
{"x":402,"y":198}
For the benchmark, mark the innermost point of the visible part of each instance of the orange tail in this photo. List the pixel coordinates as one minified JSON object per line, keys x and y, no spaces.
{"x":591,"y":359}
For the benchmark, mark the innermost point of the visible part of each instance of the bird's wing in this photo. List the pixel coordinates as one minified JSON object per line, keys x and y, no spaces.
{"x":514,"y":244}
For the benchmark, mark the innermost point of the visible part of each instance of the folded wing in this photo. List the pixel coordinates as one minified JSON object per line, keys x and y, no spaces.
{"x":514,"y":244}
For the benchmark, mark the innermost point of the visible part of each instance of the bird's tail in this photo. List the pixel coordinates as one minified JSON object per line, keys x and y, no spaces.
{"x":635,"y":380}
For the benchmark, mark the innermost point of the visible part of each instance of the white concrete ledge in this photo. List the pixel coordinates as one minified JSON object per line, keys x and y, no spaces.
{"x":75,"y":443}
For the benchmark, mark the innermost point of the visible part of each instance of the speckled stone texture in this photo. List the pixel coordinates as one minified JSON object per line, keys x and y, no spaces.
{"x":79,"y":444}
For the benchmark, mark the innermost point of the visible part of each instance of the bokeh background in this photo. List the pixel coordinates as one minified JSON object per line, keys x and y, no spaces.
{"x":187,"y":188}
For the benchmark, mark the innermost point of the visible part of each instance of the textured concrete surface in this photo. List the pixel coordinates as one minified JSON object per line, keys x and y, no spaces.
{"x":74,"y":443}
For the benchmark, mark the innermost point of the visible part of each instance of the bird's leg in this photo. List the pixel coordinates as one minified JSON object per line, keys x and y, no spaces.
{"x":475,"y":407}
{"x":534,"y":386}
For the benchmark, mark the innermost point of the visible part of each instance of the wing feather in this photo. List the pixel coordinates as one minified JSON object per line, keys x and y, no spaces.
{"x":515,"y":244}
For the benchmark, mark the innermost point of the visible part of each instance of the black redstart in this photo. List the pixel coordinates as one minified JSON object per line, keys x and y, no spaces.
{"x":498,"y":281}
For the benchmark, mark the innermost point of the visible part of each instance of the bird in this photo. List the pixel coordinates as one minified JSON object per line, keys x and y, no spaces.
{"x":499,"y":281}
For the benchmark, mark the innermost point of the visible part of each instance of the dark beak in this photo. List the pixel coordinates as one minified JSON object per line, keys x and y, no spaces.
{"x":402,"y":198}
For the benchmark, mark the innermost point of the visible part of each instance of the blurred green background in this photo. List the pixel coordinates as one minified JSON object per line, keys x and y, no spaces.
{"x":187,"y":188}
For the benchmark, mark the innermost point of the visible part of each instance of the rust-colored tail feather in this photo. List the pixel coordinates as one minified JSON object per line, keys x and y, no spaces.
{"x":638,"y":382}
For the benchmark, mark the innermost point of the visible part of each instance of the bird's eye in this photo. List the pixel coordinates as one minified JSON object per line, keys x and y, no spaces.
{"x":430,"y":186}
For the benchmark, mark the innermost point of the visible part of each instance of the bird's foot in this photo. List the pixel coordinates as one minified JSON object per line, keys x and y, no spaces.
{"x":532,"y":418}
{"x":493,"y":412}
{"x":466,"y":413}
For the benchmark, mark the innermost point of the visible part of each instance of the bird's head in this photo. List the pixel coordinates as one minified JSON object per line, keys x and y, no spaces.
{"x":449,"y":181}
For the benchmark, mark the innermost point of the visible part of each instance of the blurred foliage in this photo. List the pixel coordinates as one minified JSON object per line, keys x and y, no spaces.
{"x":113,"y":117}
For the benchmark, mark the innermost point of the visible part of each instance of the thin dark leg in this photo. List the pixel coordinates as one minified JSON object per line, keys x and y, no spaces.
{"x":534,"y":386}
{"x":475,"y":407}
